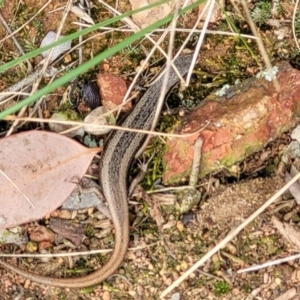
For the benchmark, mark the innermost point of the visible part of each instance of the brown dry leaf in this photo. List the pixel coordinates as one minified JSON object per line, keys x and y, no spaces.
{"x":289,"y":294}
{"x":41,"y":234}
{"x":39,"y":170}
{"x":67,"y":229}
{"x":147,"y":17}
{"x":289,"y":232}
{"x":295,"y":188}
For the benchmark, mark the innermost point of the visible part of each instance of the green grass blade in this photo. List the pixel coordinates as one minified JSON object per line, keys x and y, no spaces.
{"x":97,"y":59}
{"x":229,"y":20}
{"x":76,"y":35}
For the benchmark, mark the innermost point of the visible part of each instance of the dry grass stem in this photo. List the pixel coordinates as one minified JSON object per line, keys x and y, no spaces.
{"x":69,"y":254}
{"x":10,"y":118}
{"x":26,"y":23}
{"x":260,"y":45}
{"x":269,"y":264}
{"x":293,"y":24}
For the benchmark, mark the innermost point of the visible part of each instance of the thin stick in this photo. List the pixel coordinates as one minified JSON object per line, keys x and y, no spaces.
{"x":196,"y":163}
{"x":269,"y":263}
{"x":261,"y":46}
{"x":210,"y":6}
{"x":9,"y":118}
{"x":293,"y":24}
{"x":121,"y":29}
{"x":167,"y":70}
{"x":43,"y":255}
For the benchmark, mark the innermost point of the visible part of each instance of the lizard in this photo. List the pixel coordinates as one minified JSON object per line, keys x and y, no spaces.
{"x":116,"y":159}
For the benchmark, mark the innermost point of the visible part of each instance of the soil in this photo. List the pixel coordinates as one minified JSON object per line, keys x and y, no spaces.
{"x":159,"y":254}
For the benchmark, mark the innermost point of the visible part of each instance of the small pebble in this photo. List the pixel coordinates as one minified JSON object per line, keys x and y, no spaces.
{"x":90,"y":93}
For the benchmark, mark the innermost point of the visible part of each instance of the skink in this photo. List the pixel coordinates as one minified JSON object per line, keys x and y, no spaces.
{"x":117,"y":157}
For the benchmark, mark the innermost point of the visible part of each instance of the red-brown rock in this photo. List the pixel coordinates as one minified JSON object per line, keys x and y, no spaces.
{"x":241,"y":123}
{"x":41,"y":233}
{"x":112,"y":91}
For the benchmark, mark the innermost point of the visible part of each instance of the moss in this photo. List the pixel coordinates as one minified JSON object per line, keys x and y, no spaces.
{"x":261,"y":12}
{"x":89,"y":231}
{"x":297,"y":22}
{"x":269,"y":244}
{"x":221,"y":288}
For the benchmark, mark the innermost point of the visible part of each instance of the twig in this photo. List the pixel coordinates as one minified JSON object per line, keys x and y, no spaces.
{"x":210,"y":5}
{"x":260,"y":45}
{"x":73,"y":253}
{"x":196,"y":163}
{"x":9,"y":118}
{"x":293,"y":24}
{"x":20,"y":84}
{"x":269,"y":264}
{"x":121,"y":29}
{"x":167,"y":70}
